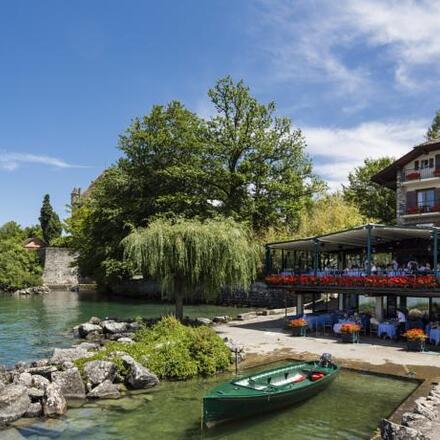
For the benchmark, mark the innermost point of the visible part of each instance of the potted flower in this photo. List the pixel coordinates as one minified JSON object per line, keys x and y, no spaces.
{"x":298,"y":326}
{"x":415,"y":339}
{"x":413,"y":175}
{"x":350,"y":332}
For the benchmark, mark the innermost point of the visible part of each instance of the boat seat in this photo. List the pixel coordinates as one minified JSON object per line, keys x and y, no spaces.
{"x":294,"y":379}
{"x":251,"y":384}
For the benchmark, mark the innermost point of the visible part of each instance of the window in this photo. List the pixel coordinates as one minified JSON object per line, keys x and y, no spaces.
{"x":425,"y":199}
{"x":416,"y":164}
{"x":424,"y":164}
{"x":431,"y":163}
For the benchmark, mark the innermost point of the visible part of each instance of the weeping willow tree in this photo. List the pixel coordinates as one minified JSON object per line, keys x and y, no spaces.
{"x":184,"y":255}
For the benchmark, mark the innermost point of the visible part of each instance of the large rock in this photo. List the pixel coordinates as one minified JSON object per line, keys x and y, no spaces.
{"x":45,"y":371}
{"x":61,"y":355}
{"x":138,"y":376}
{"x":71,"y":383}
{"x":99,"y":371}
{"x":24,"y":379}
{"x":35,"y":410}
{"x":110,"y":326}
{"x":54,"y":403}
{"x":86,"y":328}
{"x":35,"y":393}
{"x":40,"y":382}
{"x":393,"y":431}
{"x":14,"y":402}
{"x":105,"y":390}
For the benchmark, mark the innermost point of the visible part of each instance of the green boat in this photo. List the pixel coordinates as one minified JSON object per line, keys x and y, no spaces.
{"x":268,"y":390}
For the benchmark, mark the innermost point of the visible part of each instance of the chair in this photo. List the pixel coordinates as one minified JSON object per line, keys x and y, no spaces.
{"x":328,"y":324}
{"x":374,"y":327}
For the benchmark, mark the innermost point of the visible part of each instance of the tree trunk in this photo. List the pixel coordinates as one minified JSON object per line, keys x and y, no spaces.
{"x":179,"y":304}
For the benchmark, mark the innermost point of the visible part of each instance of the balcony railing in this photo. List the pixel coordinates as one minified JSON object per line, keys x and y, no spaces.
{"x":424,"y":207}
{"x":419,"y":174}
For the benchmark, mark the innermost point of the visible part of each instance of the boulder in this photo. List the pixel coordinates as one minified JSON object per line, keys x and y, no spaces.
{"x":221,"y":319}
{"x":95,"y":320}
{"x":35,"y":393}
{"x":99,"y":371}
{"x":138,"y":376}
{"x":61,"y":355}
{"x":86,"y":328}
{"x":24,"y":379}
{"x":40,"y":382}
{"x":203,"y":321}
{"x":14,"y":402}
{"x":105,"y":390}
{"x":88,"y":346}
{"x":70,"y":383}
{"x":393,"y":431}
{"x":110,"y":326}
{"x":54,"y":403}
{"x":42,"y":371}
{"x":34,"y":410}
{"x":126,"y":340}
{"x":40,"y":363}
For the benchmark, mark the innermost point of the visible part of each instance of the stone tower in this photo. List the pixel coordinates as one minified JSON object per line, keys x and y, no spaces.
{"x":75,"y":198}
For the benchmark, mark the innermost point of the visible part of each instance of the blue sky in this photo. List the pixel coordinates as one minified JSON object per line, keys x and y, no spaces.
{"x":360,"y":78}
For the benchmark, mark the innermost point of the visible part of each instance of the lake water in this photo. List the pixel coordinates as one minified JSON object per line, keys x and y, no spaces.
{"x":350,"y":409}
{"x":30,"y":327}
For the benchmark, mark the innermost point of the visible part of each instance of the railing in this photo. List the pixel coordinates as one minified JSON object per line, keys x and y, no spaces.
{"x":419,"y":174}
{"x":416,"y":281}
{"x":424,"y":207}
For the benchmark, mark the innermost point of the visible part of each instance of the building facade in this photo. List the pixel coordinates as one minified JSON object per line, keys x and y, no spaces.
{"x":416,"y":179}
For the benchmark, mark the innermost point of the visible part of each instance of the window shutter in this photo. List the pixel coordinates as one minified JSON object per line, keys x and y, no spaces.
{"x":437,"y":197}
{"x":437,"y":161}
{"x":416,"y":164}
{"x":411,"y":199}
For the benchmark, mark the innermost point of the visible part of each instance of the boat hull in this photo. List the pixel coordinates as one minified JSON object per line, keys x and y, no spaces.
{"x":223,"y":409}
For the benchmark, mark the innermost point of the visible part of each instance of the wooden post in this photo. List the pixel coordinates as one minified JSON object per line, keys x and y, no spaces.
{"x":435,"y":250}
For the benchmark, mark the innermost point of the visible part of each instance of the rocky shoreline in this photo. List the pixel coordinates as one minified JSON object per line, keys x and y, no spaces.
{"x":423,"y":423}
{"x":27,"y":291}
{"x":46,"y":387}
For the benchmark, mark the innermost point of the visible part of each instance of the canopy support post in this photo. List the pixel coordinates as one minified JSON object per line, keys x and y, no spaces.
{"x":267,"y":261}
{"x":435,"y":250}
{"x":369,"y":227}
{"x":315,"y":256}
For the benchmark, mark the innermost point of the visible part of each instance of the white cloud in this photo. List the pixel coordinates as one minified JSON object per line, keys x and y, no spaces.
{"x":336,"y":151}
{"x":324,"y":41}
{"x":11,"y":161}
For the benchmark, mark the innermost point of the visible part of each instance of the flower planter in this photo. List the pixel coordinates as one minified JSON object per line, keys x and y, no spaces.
{"x":413,"y":176}
{"x":298,"y":331}
{"x":415,"y":345}
{"x":352,"y":338}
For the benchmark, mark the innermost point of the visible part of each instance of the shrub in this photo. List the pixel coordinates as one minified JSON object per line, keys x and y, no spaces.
{"x":171,"y":350}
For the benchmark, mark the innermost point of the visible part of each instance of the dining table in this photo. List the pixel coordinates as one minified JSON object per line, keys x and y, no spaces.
{"x":387,"y":329}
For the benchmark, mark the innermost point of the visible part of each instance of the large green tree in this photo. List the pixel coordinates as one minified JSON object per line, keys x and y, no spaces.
{"x":373,"y":201}
{"x":434,"y":130}
{"x":49,"y":221}
{"x":243,"y":163}
{"x":184,"y":255}
{"x":258,"y":169}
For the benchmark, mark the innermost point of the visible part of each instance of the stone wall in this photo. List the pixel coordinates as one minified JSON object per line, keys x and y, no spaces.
{"x":58,"y":267}
{"x":258,"y":296}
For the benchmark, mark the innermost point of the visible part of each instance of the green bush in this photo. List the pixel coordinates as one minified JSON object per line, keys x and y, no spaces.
{"x":171,"y":350}
{"x":19,"y":268}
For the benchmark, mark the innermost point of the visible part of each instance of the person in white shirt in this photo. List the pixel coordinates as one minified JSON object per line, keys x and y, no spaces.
{"x":401,"y":317}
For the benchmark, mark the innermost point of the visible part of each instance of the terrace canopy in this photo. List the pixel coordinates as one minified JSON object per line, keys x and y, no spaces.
{"x":366,"y":239}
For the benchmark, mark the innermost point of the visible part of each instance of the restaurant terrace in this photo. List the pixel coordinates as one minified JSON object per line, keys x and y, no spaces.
{"x":373,"y":269}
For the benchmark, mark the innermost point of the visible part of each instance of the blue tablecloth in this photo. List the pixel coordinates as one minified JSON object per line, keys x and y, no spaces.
{"x":434,"y":335}
{"x":319,"y":320}
{"x":387,"y":329}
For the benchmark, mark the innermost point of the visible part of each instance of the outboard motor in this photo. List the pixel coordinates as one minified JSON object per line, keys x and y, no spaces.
{"x":325,"y":361}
